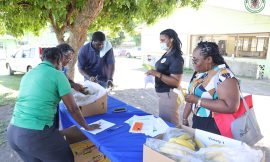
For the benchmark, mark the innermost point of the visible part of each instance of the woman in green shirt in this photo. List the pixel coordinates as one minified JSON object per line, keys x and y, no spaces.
{"x":31,"y":132}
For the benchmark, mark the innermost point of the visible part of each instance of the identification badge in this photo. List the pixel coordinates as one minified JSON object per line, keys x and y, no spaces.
{"x":163,"y":60}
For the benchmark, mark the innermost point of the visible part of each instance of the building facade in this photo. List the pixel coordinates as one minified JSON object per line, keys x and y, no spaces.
{"x":243,"y":37}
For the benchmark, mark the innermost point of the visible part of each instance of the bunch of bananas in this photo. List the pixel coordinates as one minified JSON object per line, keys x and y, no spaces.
{"x":184,"y":91}
{"x":184,"y":140}
{"x":187,"y":141}
{"x":148,"y":67}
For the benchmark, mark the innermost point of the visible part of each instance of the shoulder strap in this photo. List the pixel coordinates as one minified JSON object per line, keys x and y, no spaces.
{"x":241,"y":94}
{"x":244,"y":101}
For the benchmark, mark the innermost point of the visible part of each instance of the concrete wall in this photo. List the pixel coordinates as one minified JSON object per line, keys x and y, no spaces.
{"x":208,"y":20}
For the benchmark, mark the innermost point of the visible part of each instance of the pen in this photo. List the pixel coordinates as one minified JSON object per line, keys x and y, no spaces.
{"x":116,"y":127}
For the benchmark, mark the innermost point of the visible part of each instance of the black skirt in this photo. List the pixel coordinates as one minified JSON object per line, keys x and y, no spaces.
{"x":205,"y":123}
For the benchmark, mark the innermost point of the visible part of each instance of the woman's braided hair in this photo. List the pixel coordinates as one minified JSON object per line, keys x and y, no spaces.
{"x":210,"y":49}
{"x":177,"y":44}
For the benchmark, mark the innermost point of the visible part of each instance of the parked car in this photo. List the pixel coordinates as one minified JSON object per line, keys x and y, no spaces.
{"x":24,"y":59}
{"x":130,"y":52}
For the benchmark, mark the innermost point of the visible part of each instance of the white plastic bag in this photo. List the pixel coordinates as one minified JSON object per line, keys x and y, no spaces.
{"x":230,"y":154}
{"x":95,"y":91}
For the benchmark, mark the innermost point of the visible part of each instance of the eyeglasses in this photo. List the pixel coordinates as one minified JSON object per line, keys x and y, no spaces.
{"x":68,"y":58}
{"x":195,"y":60}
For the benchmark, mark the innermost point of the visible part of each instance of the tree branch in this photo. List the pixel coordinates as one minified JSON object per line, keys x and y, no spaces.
{"x":24,"y":4}
{"x":59,"y":33}
{"x":70,"y":10}
{"x":56,"y":28}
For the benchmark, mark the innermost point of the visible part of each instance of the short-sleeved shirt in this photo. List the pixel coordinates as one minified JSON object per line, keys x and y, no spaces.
{"x":204,"y":86}
{"x":90,"y":61}
{"x":171,"y":63}
{"x":40,"y":91}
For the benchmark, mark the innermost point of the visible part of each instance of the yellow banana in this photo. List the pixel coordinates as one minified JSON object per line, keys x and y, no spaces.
{"x":184,"y":137}
{"x":184,"y":91}
{"x":148,"y":67}
{"x":182,"y":142}
{"x":199,"y":143}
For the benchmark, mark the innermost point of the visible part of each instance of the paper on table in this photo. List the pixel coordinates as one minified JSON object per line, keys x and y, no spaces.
{"x":159,"y":127}
{"x":103,"y":126}
{"x":152,"y":126}
{"x":131,"y":120}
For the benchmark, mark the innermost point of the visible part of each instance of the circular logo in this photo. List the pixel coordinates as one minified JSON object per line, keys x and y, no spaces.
{"x":254,"y":6}
{"x":163,"y":60}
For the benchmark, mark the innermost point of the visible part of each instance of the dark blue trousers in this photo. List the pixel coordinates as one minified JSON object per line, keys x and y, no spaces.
{"x":46,"y":145}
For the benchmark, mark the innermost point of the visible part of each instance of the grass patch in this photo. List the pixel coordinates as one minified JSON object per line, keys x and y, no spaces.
{"x":188,"y":71}
{"x":7,"y":98}
{"x":11,"y":81}
{"x":9,"y":86}
{"x":3,"y":126}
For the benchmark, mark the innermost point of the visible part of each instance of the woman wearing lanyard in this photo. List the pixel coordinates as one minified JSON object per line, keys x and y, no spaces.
{"x":213,"y":88}
{"x":32,"y":133}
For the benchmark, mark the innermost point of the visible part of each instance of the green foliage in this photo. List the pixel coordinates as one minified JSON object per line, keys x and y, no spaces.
{"x":117,"y":40}
{"x":137,"y":39}
{"x":18,"y":17}
{"x":119,"y":15}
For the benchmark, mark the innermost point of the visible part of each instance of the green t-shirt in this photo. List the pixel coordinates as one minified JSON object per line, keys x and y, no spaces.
{"x":40,"y":92}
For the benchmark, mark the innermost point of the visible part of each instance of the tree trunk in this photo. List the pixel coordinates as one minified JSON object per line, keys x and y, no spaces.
{"x":78,"y":29}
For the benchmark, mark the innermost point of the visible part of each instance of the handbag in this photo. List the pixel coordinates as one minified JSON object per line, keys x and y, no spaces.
{"x":241,"y":125}
{"x":224,"y":121}
{"x":245,"y":128}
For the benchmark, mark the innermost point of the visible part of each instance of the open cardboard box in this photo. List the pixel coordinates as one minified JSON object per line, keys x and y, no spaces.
{"x":150,"y":155}
{"x":83,"y":149}
{"x":97,"y":107}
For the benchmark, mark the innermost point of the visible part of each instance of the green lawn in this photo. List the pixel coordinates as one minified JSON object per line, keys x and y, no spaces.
{"x":9,"y":86}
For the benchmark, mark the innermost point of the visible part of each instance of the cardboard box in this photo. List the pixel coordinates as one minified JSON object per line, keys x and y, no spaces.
{"x":83,"y":149}
{"x":97,"y":107}
{"x":150,"y":155}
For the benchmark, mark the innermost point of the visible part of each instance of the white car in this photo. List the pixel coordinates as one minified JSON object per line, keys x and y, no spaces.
{"x":24,"y":59}
{"x":130,"y":52}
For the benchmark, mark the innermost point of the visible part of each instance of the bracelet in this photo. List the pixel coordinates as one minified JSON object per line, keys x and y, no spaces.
{"x":185,"y":120}
{"x":199,"y":102}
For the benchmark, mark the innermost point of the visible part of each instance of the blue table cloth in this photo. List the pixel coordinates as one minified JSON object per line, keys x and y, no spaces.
{"x":118,"y":145}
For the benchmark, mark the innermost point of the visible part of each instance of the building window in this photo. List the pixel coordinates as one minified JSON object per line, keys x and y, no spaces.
{"x":253,"y":45}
